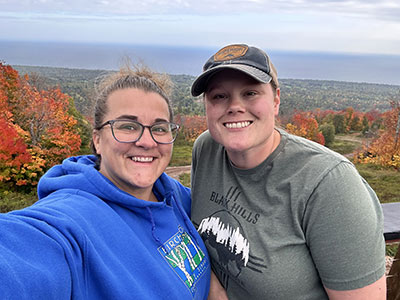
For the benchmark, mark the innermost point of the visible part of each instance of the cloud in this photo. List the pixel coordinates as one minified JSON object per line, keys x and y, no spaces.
{"x":382,"y":9}
{"x":368,"y":26}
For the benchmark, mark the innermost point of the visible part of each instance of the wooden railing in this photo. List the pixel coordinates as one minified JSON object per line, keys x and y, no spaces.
{"x":393,"y":279}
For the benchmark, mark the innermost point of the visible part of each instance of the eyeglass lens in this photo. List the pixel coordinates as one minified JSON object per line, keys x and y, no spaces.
{"x":130,"y":131}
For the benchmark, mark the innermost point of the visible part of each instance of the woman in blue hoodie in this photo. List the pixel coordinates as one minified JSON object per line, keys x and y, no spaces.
{"x":110,"y":225}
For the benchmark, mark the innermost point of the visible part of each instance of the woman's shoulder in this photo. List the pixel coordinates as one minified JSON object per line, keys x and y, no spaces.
{"x":302,"y":149}
{"x":206,"y":145}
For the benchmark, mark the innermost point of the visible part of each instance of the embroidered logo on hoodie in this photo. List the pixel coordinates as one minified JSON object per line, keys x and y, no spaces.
{"x":185,"y":257}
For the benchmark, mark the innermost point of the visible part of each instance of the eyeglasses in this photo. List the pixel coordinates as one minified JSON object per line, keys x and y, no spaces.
{"x":128,"y":131}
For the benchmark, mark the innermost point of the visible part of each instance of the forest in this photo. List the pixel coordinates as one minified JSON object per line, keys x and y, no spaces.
{"x":296,"y":94}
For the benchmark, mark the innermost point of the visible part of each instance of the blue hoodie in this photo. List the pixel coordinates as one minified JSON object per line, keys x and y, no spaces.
{"x":87,"y":239}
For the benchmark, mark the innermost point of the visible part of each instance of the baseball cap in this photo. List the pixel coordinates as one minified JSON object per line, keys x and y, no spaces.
{"x":247,"y":59}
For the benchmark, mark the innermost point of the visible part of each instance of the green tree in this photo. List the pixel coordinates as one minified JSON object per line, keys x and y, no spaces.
{"x":355,"y":124}
{"x":339,"y":123}
{"x":328,"y":131}
{"x":365,"y":125}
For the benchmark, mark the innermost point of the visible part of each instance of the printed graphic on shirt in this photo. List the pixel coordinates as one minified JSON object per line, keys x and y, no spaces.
{"x":185,"y":257}
{"x":226,"y":238}
{"x":230,"y":237}
{"x":230,"y":202}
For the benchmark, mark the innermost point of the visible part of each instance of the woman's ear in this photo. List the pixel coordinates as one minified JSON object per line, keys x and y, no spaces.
{"x":277,"y":101}
{"x":96,"y":141}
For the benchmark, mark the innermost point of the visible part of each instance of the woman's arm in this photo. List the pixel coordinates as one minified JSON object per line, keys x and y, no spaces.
{"x":374,"y":291}
{"x":344,"y":230}
{"x":217,"y":292}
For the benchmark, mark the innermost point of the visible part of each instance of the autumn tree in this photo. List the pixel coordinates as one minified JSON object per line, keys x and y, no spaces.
{"x":38,"y":82}
{"x":348,"y":116}
{"x":36,"y":127}
{"x":356,"y":123}
{"x":305,"y":125}
{"x":385,"y":150}
{"x":191,"y":127}
{"x":365,"y":124}
{"x":44,"y":114}
{"x":13,"y":150}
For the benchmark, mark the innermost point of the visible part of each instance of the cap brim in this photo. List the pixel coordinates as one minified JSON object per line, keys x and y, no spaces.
{"x":200,"y":84}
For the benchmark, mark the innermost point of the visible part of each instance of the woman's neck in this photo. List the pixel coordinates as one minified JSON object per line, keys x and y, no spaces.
{"x":254,"y":157}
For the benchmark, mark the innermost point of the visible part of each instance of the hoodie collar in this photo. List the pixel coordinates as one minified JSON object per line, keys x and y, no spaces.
{"x":80,"y":173}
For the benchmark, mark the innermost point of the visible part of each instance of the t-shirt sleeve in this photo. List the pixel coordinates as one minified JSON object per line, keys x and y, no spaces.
{"x":198,"y":144}
{"x":343,"y":224}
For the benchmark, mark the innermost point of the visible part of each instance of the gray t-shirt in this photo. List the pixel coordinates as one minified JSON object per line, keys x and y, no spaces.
{"x":302,"y":219}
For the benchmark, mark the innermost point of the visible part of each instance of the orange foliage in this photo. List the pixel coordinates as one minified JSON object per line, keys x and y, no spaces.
{"x":9,"y":82}
{"x":304,"y":124}
{"x":191,"y":126}
{"x":13,"y":150}
{"x":36,"y":128}
{"x":320,"y":115}
{"x":385,"y":150}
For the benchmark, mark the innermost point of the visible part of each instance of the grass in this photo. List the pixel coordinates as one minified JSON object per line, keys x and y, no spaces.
{"x":185,"y":179}
{"x":181,"y":156}
{"x":13,"y":200}
{"x":391,"y":249}
{"x":385,"y":182}
{"x":343,"y":147}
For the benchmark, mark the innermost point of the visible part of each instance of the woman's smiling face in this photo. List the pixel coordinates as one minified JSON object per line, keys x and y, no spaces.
{"x":241,"y":114}
{"x":133,"y":167}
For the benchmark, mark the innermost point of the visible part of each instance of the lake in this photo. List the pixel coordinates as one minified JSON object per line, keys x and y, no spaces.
{"x":382,"y":69}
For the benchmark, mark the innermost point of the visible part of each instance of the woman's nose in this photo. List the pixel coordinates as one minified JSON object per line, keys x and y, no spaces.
{"x":236,"y":104}
{"x":146,"y":140}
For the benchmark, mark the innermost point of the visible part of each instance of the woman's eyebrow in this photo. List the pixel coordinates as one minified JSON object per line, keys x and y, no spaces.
{"x":135,"y":118}
{"x":160,"y":120}
{"x":127,"y":117}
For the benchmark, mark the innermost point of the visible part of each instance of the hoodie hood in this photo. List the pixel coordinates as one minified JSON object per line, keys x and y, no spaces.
{"x":79,"y":175}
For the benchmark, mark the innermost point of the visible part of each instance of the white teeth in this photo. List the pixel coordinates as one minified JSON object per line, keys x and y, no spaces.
{"x":142,"y":159}
{"x":237,"y":124}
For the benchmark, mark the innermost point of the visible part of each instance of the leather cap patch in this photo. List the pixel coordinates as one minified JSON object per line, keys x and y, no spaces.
{"x":230,"y":52}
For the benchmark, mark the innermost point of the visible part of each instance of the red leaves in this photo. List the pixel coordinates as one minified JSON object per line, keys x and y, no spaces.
{"x":36,"y":129}
{"x":191,"y":126}
{"x":305,"y":125}
{"x":13,"y":150}
{"x":385,"y":150}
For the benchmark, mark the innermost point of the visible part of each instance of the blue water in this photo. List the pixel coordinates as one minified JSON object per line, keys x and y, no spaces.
{"x":189,"y":60}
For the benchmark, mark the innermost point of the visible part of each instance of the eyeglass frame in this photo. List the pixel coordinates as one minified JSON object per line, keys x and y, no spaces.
{"x":111,"y":123}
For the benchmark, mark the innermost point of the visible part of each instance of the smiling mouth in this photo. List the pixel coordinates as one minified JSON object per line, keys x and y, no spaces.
{"x":142,"y":158}
{"x":243,"y":124}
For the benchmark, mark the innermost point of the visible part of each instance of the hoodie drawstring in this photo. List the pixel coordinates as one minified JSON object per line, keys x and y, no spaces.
{"x":153,"y":228}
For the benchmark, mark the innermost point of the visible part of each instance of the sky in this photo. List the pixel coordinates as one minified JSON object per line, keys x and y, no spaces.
{"x":344,"y":26}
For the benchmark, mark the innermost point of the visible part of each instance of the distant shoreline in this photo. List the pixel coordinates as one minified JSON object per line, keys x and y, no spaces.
{"x":360,"y":68}
{"x":35,"y":68}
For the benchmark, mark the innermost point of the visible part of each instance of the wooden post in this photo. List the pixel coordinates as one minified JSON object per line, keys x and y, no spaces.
{"x":393,"y":279}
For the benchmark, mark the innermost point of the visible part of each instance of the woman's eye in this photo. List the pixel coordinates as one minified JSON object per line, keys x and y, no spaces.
{"x":219,"y":96}
{"x":251,"y":93}
{"x":128,"y":126}
{"x":159,"y":129}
